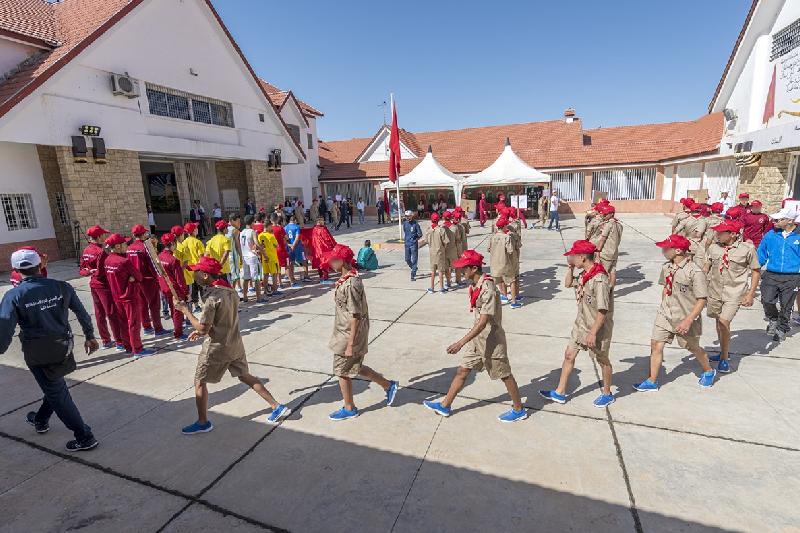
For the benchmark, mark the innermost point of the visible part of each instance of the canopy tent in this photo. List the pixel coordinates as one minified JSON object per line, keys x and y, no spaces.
{"x":508,"y":169}
{"x":428,"y":174}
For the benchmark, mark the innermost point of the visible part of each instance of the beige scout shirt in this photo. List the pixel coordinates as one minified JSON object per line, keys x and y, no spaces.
{"x":731,"y":285}
{"x":313,"y":213}
{"x":593,"y":230}
{"x":713,"y":220}
{"x":221,"y":309}
{"x":459,"y":237}
{"x":596,"y":297}
{"x":437,"y":241}
{"x":688,"y":285}
{"x":450,"y":252}
{"x":491,"y":342}
{"x":503,"y":255}
{"x":679,"y":217}
{"x":465,"y":225}
{"x":350,"y":299}
{"x":612,"y":231}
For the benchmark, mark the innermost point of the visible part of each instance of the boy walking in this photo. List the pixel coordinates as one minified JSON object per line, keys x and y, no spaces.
{"x":594,"y":323}
{"x":174,"y":271}
{"x":683,"y":299}
{"x":486,"y":341}
{"x":503,"y":262}
{"x":150,"y":295}
{"x":608,"y":243}
{"x":93,"y":264}
{"x":223,"y":349}
{"x":350,"y":340}
{"x":437,"y":241}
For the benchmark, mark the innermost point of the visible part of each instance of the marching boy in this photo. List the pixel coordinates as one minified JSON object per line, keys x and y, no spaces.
{"x":683,"y":299}
{"x":437,"y":240}
{"x":174,"y":271}
{"x":594,"y":323}
{"x":608,"y":241}
{"x":504,"y":262}
{"x":223,"y":348}
{"x":350,"y":338}
{"x":486,"y":341}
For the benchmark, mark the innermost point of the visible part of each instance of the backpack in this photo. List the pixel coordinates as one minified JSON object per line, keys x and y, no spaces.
{"x":367,"y":259}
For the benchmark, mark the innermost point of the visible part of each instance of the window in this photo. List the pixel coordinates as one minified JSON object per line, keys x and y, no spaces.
{"x":687,"y":179}
{"x":61,"y":208}
{"x":570,"y":185}
{"x":626,"y":184}
{"x":166,"y":102}
{"x":18,"y":210}
{"x":295,"y":131}
{"x":310,"y":142}
{"x":721,"y":176}
{"x":230,"y":201}
{"x":354,"y":191}
{"x":786,"y":40}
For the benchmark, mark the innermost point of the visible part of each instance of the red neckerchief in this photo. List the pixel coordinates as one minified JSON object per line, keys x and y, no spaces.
{"x":586,"y":275}
{"x":434,"y":225}
{"x":725,"y":261}
{"x":696,"y":216}
{"x":670,"y":276}
{"x":221,"y":283}
{"x":448,"y":223}
{"x":474,"y":292}
{"x":342,"y":280}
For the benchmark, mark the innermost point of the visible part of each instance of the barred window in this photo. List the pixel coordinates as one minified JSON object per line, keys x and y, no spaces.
{"x":18,"y":211}
{"x":785,"y":40}
{"x":167,"y":102}
{"x":61,"y":208}
{"x":310,"y":142}
{"x":295,"y":131}
{"x":626,"y":184}
{"x":570,"y":185}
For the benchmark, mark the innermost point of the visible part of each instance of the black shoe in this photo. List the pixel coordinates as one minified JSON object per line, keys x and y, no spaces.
{"x":82,"y":446}
{"x":779,"y":336}
{"x":41,"y":427}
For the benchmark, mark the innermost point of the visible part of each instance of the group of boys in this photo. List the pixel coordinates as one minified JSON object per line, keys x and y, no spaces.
{"x":446,"y":243}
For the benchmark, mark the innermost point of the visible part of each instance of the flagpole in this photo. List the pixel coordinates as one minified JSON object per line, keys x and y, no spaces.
{"x":397,"y":183}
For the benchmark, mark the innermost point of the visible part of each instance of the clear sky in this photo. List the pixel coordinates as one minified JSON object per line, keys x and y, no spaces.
{"x":456,"y":64}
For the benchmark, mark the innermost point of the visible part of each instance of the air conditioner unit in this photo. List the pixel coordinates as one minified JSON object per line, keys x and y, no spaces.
{"x":122,"y":85}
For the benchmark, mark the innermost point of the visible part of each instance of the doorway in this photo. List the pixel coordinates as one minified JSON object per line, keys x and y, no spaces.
{"x":161,"y":194}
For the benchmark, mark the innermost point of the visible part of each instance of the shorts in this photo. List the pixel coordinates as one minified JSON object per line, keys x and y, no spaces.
{"x":209,"y":371}
{"x":719,"y":309}
{"x":508,"y":280}
{"x":609,"y":264}
{"x":270,"y":267}
{"x":251,"y":268}
{"x":662,"y":334}
{"x":297,"y":255}
{"x":347,"y":367}
{"x":497,"y":368}
{"x":441,"y":267}
{"x":600,"y":353}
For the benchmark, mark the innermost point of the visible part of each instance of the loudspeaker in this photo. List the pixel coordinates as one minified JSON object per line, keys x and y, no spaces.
{"x":79,"y":149}
{"x":99,"y":149}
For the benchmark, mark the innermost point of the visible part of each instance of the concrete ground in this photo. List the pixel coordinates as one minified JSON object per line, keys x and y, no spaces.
{"x":685,"y":459}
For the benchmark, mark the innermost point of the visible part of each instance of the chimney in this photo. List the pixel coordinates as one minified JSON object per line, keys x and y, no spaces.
{"x":569,"y":115}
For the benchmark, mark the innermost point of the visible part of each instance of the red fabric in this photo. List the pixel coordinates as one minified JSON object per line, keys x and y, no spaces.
{"x":174,"y":271}
{"x":150,"y":305}
{"x":474,"y":293}
{"x":118,"y":270}
{"x":94,"y":258}
{"x":139,"y":258}
{"x":105,"y":310}
{"x":16,"y":277}
{"x":130,"y":324}
{"x":177,"y":316}
{"x":725,"y":261}
{"x":669,"y":278}
{"x":598,"y":268}
{"x":280,"y":235}
{"x":221,"y":283}
{"x":307,"y":240}
{"x":394,"y":148}
{"x":386,"y":201}
{"x":321,"y":242}
{"x":756,"y":226}
{"x":769,"y":105}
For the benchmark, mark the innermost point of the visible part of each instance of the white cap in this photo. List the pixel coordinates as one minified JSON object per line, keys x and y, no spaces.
{"x":25,"y":259}
{"x":409,"y":213}
{"x":726,"y":191}
{"x":784,"y":213}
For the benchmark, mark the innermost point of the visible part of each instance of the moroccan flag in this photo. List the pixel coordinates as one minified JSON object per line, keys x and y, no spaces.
{"x":769,"y":107}
{"x":394,"y":148}
{"x":386,"y":201}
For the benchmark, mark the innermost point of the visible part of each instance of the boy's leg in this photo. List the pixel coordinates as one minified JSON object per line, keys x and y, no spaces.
{"x":144,"y":308}
{"x":566,"y":369}
{"x":154,"y":302}
{"x":607,"y":373}
{"x":367,"y":372}
{"x":702,"y":358}
{"x":513,"y":391}
{"x":134,"y":325}
{"x":455,"y":387}
{"x":724,"y":336}
{"x":503,"y":289}
{"x":245,"y":287}
{"x":657,"y":358}
{"x":433,"y":276}
{"x":100,"y":316}
{"x":120,"y":323}
{"x":255,"y":384}
{"x":201,"y":400}
{"x":346,"y":385}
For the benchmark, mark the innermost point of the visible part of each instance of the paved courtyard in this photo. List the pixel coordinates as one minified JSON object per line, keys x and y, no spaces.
{"x":685,"y":459}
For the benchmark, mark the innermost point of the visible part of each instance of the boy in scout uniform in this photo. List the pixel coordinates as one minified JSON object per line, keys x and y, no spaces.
{"x":437,"y":240}
{"x":682,"y":301}
{"x":223,"y":349}
{"x":728,"y":263}
{"x":451,"y":252}
{"x":595,"y":225}
{"x":608,"y":242}
{"x":693,"y":227}
{"x":485,"y":342}
{"x":679,"y":217}
{"x":504,"y":263}
{"x":594,"y":323}
{"x":350,"y":338}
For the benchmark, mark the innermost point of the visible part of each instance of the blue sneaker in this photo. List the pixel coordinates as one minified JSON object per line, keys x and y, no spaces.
{"x":515,"y":305}
{"x":263,"y":301}
{"x":724,"y":366}
{"x":149,"y":332}
{"x":437,"y":408}
{"x":307,"y":279}
{"x":519,"y":298}
{"x":503,"y":299}
{"x":295,"y":285}
{"x":797,"y":320}
{"x":603,"y":400}
{"x":327,"y":281}
{"x":343,"y":414}
{"x":513,"y":416}
{"x":443,"y":291}
{"x":462,"y":284}
{"x":186,"y":323}
{"x":164,"y":332}
{"x":279,"y":414}
{"x":144,"y":353}
{"x":110,"y":345}
{"x":553,"y":396}
{"x":197,"y":309}
{"x":448,"y":286}
{"x":120,"y":348}
{"x":431,"y":291}
{"x":196,"y":429}
{"x":647,"y":386}
{"x":715,"y":358}
{"x":392,"y":392}
{"x":251,"y":289}
{"x":707,"y":378}
{"x":128,"y":352}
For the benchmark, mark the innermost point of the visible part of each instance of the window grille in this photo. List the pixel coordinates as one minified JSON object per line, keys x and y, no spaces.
{"x":295,"y":131}
{"x":166,"y":102}
{"x":354,"y":191}
{"x":61,"y":208}
{"x":721,"y":176}
{"x":310,"y":141}
{"x":687,"y":179}
{"x":786,"y":40}
{"x":230,"y":201}
{"x":570,"y":185}
{"x":18,"y":211}
{"x":626,"y":184}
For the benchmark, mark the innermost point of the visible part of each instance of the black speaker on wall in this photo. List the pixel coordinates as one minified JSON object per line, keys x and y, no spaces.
{"x":79,"y":149}
{"x":99,"y":149}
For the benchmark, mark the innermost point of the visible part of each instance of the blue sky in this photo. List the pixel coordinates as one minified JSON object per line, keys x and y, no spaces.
{"x":458,"y":64}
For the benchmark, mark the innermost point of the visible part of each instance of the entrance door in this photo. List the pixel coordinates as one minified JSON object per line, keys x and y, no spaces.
{"x":161,"y":190}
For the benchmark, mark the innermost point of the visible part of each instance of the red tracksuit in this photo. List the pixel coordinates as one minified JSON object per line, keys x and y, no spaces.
{"x":150,"y":301}
{"x":483,"y":211}
{"x":94,"y":258}
{"x":755,"y":226}
{"x":127,"y":298}
{"x":174,"y":271}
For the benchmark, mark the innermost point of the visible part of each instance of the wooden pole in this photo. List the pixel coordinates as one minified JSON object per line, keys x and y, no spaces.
{"x":151,"y":251}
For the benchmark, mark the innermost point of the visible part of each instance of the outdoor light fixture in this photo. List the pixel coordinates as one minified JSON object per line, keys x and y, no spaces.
{"x":79,"y":149}
{"x":90,"y":131}
{"x":99,"y":150}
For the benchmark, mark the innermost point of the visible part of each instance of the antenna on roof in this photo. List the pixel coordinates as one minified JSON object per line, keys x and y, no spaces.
{"x":430,"y":151}
{"x":383,"y":105}
{"x":508,"y":142}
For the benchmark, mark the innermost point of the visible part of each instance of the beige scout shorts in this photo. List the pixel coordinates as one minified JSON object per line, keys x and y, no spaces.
{"x":609,"y":265}
{"x":211,"y":371}
{"x":596,"y":352}
{"x":497,"y":368}
{"x":662,"y":332}
{"x":347,"y":367}
{"x":724,"y":310}
{"x":508,"y":280}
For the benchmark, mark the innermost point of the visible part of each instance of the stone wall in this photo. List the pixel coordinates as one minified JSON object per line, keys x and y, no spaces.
{"x":767,"y":182}
{"x":263,"y":185}
{"x":232,"y":175}
{"x":65,"y":238}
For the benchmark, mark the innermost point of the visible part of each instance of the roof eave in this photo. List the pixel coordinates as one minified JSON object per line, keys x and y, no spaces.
{"x":739,"y":40}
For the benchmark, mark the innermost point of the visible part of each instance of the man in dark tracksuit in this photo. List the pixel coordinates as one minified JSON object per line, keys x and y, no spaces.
{"x":38,"y":305}
{"x":412,"y":233}
{"x":780,"y":251}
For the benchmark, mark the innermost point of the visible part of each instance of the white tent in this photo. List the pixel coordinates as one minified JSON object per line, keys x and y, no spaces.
{"x":428,"y":174}
{"x":508,"y":169}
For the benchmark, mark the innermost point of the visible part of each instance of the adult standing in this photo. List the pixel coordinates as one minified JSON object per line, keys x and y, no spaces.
{"x":483,"y":210}
{"x":217,"y":214}
{"x":249,"y":208}
{"x":726,"y":201}
{"x":555,"y":202}
{"x":360,"y":206}
{"x":381,"y":208}
{"x":329,"y":209}
{"x":780,"y":252}
{"x":46,"y":333}
{"x":412,"y":233}
{"x":198,"y":216}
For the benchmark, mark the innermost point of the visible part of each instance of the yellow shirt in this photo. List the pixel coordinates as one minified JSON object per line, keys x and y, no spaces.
{"x":217,"y":246}
{"x":270,"y":244}
{"x":191,"y":252}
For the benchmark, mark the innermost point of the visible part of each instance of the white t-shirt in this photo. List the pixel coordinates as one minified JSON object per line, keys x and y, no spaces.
{"x":247,"y":238}
{"x":554,"y":201}
{"x":217,"y":213}
{"x":360,"y":206}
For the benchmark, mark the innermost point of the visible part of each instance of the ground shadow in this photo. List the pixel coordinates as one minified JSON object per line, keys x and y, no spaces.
{"x":631,"y":279}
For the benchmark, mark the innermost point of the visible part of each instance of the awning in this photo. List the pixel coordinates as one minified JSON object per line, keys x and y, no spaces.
{"x":508,"y":169}
{"x":428,"y":174}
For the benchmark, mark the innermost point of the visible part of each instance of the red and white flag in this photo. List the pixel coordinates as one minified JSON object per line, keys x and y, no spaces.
{"x":769,"y":106}
{"x":394,"y":148}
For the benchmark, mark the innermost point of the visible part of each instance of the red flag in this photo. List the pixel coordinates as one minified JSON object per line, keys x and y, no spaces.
{"x":394,"y":148}
{"x":769,"y":106}
{"x":386,"y":201}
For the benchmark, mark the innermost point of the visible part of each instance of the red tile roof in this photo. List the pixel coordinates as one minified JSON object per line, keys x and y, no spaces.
{"x":278,"y":98}
{"x":29,"y":18}
{"x":733,"y":53}
{"x":544,"y":145}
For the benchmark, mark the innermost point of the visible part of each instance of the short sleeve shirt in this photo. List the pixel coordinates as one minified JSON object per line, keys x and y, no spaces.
{"x":688,"y":285}
{"x":612,"y":231}
{"x":270,"y":244}
{"x":217,"y":246}
{"x":247,"y":238}
{"x":596,"y":296}
{"x":350,"y":299}
{"x":728,"y":279}
{"x":221,"y":310}
{"x":594,"y":229}
{"x":502,"y":256}
{"x":491,"y":342}
{"x":686,"y":227}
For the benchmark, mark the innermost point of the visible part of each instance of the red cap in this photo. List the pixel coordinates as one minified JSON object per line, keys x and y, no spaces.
{"x":605,"y":209}
{"x":705,"y":210}
{"x":603,"y":201}
{"x":468,"y":258}
{"x":582,"y":247}
{"x":744,"y":195}
{"x":695,"y":206}
{"x":314,"y":201}
{"x":167,"y":239}
{"x":447,"y":214}
{"x":221,"y":224}
{"x":687,"y":201}
{"x":340,"y":251}
{"x":190,"y":227}
{"x":280,"y":206}
{"x":501,"y":222}
{"x":138,"y":229}
{"x":756,"y":203}
{"x":734,"y":212}
{"x":434,"y":217}
{"x":116,"y":239}
{"x":678,"y":242}
{"x":299,"y":203}
{"x":261,"y":208}
{"x":96,"y":231}
{"x":728,"y":225}
{"x":717,"y":207}
{"x":207,"y":264}
{"x":177,"y":230}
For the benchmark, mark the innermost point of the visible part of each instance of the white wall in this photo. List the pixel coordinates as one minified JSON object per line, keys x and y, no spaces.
{"x":380,"y":147}
{"x":304,"y":174}
{"x":20,"y":172}
{"x":12,"y":54}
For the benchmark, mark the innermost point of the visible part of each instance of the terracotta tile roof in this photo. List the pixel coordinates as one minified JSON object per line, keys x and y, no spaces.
{"x":278,"y":98}
{"x":544,"y":145}
{"x":29,"y":18}
{"x":733,"y":53}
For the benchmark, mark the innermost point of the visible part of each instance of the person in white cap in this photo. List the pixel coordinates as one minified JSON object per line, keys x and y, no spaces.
{"x":726,"y":201}
{"x":41,"y":308}
{"x":780,"y":252}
